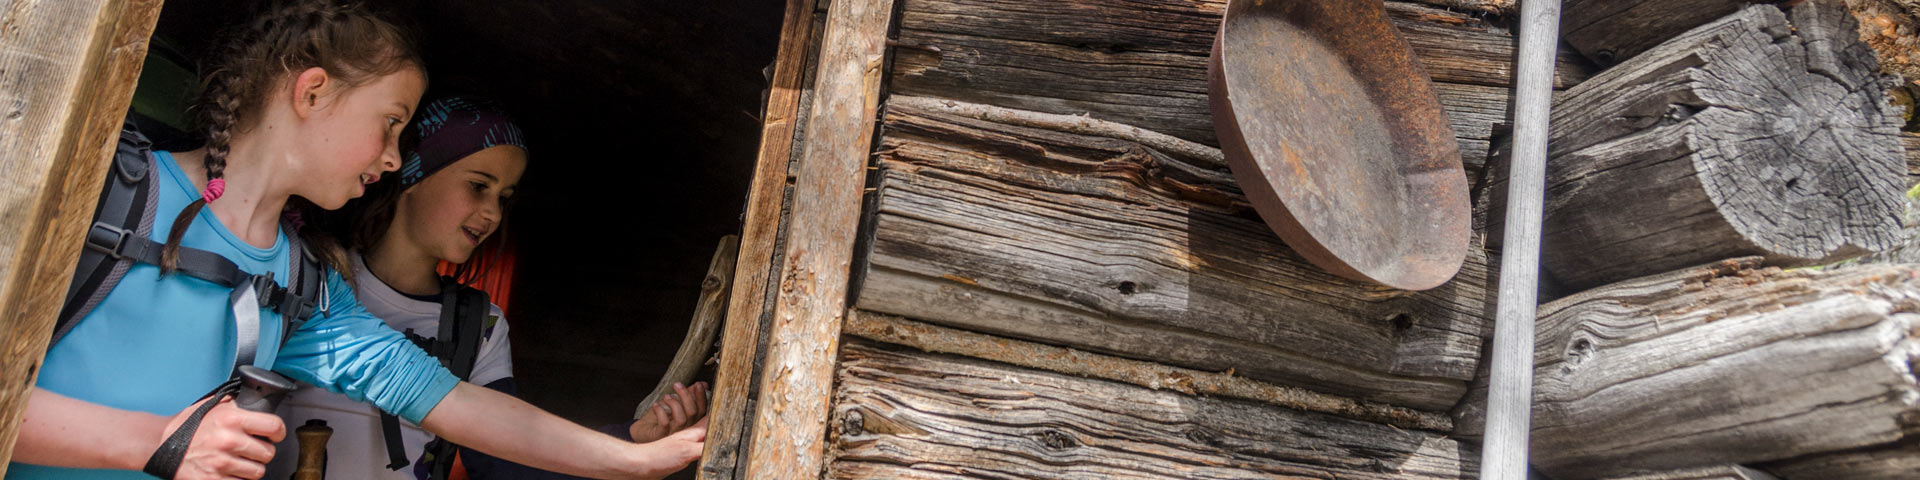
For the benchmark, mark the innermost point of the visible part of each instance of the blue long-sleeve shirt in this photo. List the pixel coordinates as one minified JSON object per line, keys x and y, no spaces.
{"x":159,"y":342}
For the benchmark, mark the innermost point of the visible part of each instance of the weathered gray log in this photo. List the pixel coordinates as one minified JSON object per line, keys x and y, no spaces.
{"x":1106,"y":245}
{"x":1142,"y":63}
{"x":1751,"y":135}
{"x":931,"y":338}
{"x":1612,"y":31}
{"x":1895,"y":462}
{"x":1724,"y":363}
{"x":1723,"y":472}
{"x":1911,"y":142}
{"x":911,"y":415}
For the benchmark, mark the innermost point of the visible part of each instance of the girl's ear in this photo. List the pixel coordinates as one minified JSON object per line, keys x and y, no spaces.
{"x":310,"y":88}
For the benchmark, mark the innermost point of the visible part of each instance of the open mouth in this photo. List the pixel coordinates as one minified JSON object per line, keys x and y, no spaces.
{"x":473,"y":236}
{"x":368,"y":179}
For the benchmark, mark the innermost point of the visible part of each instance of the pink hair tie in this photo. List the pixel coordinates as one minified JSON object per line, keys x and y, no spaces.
{"x":215,"y":187}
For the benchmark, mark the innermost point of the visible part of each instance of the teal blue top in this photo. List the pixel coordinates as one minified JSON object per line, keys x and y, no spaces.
{"x":157,"y":343}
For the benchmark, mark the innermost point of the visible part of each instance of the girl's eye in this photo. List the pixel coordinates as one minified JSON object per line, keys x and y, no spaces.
{"x":478,"y":187}
{"x":393,"y":122}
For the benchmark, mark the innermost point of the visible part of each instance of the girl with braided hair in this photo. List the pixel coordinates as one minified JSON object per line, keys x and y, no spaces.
{"x":306,"y":104}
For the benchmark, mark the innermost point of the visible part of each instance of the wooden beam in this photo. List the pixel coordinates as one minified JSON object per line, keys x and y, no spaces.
{"x":1893,"y":462}
{"x":789,"y":422}
{"x":900,"y":414}
{"x":708,"y":312}
{"x":1761,"y":133}
{"x":1724,"y":363}
{"x":766,"y":198}
{"x":1144,"y":63}
{"x":928,"y":337}
{"x":70,"y":68}
{"x":1722,"y":472}
{"x":1612,"y":31}
{"x":1107,"y":245}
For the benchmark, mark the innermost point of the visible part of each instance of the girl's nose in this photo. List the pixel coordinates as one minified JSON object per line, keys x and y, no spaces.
{"x":390,"y":159}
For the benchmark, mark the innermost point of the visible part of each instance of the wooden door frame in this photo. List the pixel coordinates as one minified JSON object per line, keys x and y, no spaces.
{"x":58,"y":134}
{"x":783,"y":433}
{"x":59,"y":123}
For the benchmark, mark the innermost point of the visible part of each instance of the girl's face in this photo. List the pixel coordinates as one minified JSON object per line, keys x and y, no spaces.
{"x":351,"y":136}
{"x":449,"y":213}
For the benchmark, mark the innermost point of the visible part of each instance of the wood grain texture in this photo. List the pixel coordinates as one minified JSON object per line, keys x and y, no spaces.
{"x":789,"y":419}
{"x":760,"y":229}
{"x":1724,"y":363}
{"x":1110,"y":246}
{"x":1722,"y":472}
{"x":1892,"y":462}
{"x":1752,"y":135}
{"x":67,"y":71}
{"x":1140,"y":63}
{"x":708,"y":312}
{"x":910,"y":415}
{"x":1612,"y":31}
{"x":931,"y":338}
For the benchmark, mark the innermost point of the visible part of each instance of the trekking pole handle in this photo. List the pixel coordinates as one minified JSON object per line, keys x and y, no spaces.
{"x":260,"y":389}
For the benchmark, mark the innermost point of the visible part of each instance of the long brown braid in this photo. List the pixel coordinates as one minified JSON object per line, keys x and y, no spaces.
{"x":351,"y":43}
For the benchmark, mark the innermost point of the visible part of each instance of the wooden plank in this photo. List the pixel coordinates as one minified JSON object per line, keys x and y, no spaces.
{"x":1753,"y":135}
{"x":1724,"y":363}
{"x":1612,"y":31}
{"x":1107,"y":245}
{"x":67,"y":71}
{"x":789,"y":419}
{"x":1140,"y":63}
{"x":901,"y":414}
{"x":1893,"y":462}
{"x":760,"y":229}
{"x":927,"y":337}
{"x":708,"y":311}
{"x":1722,"y":472}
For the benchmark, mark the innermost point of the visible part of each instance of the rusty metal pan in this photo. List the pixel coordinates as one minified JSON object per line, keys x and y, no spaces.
{"x":1332,"y":129}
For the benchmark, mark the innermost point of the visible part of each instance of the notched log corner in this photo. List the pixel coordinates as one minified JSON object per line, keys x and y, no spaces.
{"x":1756,"y":134}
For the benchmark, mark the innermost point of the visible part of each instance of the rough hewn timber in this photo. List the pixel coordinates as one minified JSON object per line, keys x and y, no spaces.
{"x":1141,"y":63}
{"x":910,"y":415}
{"x":1612,"y":31}
{"x":927,"y":337}
{"x":67,"y":71}
{"x":1723,"y":472}
{"x":1109,"y":246}
{"x":797,"y":377}
{"x":740,"y":339}
{"x":1725,"y":363}
{"x":1894,"y":462}
{"x":1751,"y":135}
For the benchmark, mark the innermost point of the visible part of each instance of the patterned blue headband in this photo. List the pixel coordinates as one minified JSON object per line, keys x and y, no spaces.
{"x":452,"y":128}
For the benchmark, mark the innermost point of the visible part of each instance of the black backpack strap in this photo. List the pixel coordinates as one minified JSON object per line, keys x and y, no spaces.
{"x":125,"y":209}
{"x":463,"y":318}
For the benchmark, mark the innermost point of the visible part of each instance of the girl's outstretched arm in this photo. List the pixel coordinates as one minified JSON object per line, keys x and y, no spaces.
{"x":61,"y":431}
{"x":509,"y":428}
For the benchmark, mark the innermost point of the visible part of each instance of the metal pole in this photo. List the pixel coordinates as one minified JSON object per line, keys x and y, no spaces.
{"x":1503,"y":454}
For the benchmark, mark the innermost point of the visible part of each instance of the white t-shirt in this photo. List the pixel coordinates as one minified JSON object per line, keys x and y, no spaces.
{"x":357,"y":449}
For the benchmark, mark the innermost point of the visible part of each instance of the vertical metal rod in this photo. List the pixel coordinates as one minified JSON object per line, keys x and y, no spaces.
{"x":1503,"y":453}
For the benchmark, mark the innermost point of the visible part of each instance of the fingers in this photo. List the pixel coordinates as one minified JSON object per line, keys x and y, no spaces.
{"x":264,"y":425}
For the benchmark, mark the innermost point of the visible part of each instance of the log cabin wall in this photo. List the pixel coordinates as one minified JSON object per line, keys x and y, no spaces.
{"x":1047,"y":179}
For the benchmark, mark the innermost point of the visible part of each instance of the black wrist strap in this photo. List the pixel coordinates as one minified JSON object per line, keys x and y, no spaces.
{"x":165,"y":462}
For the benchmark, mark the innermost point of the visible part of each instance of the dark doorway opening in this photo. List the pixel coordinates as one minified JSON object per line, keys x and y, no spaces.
{"x":642,"y":119}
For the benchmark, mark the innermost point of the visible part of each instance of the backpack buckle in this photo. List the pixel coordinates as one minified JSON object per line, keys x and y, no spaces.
{"x":107,"y":238}
{"x":268,"y":292}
